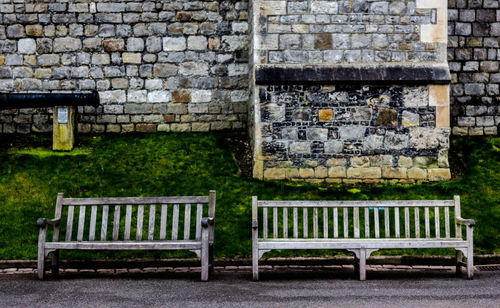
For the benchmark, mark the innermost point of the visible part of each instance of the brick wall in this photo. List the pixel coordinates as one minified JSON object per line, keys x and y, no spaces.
{"x":158,"y":65}
{"x":474,"y":55}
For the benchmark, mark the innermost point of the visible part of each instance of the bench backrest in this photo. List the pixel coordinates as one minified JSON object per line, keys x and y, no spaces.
{"x":356,"y":219}
{"x":117,"y":219}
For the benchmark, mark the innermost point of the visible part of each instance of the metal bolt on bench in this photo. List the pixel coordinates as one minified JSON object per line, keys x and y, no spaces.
{"x":64,"y":124}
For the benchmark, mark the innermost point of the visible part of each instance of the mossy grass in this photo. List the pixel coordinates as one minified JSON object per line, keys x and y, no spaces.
{"x":192,"y":164}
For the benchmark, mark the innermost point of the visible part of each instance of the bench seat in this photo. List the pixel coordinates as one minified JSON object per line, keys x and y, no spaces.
{"x":360,"y":243}
{"x":126,"y":245}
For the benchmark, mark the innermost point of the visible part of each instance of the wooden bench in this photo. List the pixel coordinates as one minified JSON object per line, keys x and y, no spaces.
{"x":339,"y":225}
{"x":162,"y":233}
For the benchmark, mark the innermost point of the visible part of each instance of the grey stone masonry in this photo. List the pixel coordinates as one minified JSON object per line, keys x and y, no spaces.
{"x":321,"y":31}
{"x":474,"y":57}
{"x":158,"y":65}
{"x":349,"y":91}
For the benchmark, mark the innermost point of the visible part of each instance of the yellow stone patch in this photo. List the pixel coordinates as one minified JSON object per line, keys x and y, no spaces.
{"x":443,"y":116}
{"x":325,"y":115}
{"x":439,"y":95}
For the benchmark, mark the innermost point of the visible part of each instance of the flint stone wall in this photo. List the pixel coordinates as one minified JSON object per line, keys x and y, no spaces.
{"x":158,"y":65}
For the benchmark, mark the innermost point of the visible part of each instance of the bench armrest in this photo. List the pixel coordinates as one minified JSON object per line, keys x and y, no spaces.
{"x":207,"y":221}
{"x":465,"y":222}
{"x":43,"y":222}
{"x":255,"y":224}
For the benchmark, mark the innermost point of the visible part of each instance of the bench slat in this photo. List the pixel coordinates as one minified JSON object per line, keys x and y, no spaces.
{"x":387,"y":223}
{"x":93,"y":218}
{"x":130,"y":245}
{"x":128,"y":222}
{"x":187,"y":221}
{"x":407,"y":222}
{"x":151,"y":225}
{"x":81,"y":223}
{"x":436,"y":222}
{"x":199,"y":214}
{"x":305,"y":222}
{"x":275,"y":222}
{"x":417,"y":222}
{"x":163,"y":223}
{"x":104,"y":222}
{"x":396,"y":222}
{"x":367,"y":222}
{"x":285,"y":222}
{"x":264,"y":223}
{"x":427,"y":224}
{"x":376,"y":220}
{"x":335,"y":222}
{"x":116,"y":223}
{"x":295,"y":223}
{"x":315,"y":222}
{"x":356,"y":222}
{"x":374,"y":203}
{"x":325,"y":222}
{"x":447,"y":222}
{"x":69,"y":223}
{"x":135,"y":200}
{"x":346,"y":222}
{"x":140,"y":218}
{"x":175,"y":222}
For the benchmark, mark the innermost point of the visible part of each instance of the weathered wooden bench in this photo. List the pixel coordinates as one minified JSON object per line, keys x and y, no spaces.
{"x":161,"y":234}
{"x":360,"y":234}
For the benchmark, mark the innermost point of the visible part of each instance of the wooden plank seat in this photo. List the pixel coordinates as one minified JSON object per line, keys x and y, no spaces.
{"x":361,"y":227}
{"x":173,"y":223}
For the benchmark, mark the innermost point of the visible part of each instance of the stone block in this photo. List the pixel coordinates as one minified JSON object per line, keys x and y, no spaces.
{"x":404,"y":161}
{"x":333,"y":146}
{"x":337,"y":172}
{"x":131,"y":58}
{"x":336,"y":162}
{"x":26,"y":46}
{"x":360,"y":161}
{"x":364,"y":173}
{"x":306,"y":173}
{"x":410,"y":119}
{"x":440,"y":174}
{"x":181,"y":96}
{"x":274,"y":174}
{"x":174,"y":44}
{"x":317,"y":134}
{"x":395,"y":141}
{"x":323,"y":41}
{"x":352,"y":132}
{"x":325,"y":114}
{"x":387,"y":117}
{"x":381,"y":160}
{"x":373,"y":142}
{"x":300,"y":147}
{"x":393,"y":173}
{"x":417,"y":173}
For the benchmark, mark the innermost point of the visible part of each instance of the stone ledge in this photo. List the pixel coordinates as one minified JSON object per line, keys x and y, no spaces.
{"x":330,"y":74}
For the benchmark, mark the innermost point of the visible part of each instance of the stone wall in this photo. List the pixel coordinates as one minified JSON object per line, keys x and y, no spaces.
{"x":349,"y":91}
{"x":474,"y":56}
{"x":177,"y":65}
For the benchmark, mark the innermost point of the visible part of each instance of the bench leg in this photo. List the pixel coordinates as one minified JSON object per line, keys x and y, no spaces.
{"x":255,"y":265}
{"x":458,"y":262}
{"x":211,"y":259}
{"x":41,"y":263}
{"x":362,"y":264}
{"x":204,"y":255}
{"x":470,"y":253}
{"x":55,"y":263}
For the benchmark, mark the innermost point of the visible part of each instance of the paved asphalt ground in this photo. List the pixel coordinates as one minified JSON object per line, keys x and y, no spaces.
{"x":289,"y":288}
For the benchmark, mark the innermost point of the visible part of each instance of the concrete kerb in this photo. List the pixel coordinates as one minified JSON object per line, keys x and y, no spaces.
{"x":296,"y":261}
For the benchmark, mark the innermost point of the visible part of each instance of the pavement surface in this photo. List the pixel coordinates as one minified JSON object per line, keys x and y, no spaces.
{"x":231,"y":286}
